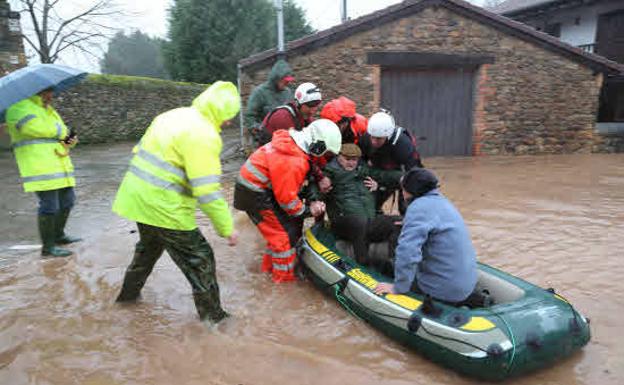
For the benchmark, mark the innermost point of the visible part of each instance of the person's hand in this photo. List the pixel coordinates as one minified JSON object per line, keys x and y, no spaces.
{"x":73,"y":141}
{"x":325,"y":185}
{"x":233,"y":238}
{"x":371,"y":184}
{"x":317,"y":208}
{"x":383,"y":288}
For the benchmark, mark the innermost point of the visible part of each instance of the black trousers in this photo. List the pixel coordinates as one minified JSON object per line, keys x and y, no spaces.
{"x":361,"y":231}
{"x":191,"y":253}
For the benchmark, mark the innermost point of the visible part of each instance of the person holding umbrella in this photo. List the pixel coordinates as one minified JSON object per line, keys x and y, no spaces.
{"x":41,"y":142}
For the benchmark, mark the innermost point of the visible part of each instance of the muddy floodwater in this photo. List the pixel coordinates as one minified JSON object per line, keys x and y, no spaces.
{"x":557,"y":221}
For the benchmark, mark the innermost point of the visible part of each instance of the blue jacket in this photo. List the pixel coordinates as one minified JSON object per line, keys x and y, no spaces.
{"x":435,"y":249}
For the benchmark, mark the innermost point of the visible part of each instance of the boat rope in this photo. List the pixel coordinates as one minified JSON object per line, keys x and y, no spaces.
{"x":374,"y":312}
{"x":511,"y":337}
{"x":343,"y":301}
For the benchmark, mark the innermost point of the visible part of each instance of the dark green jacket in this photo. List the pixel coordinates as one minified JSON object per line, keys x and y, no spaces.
{"x":266,"y":96}
{"x":349,"y":195}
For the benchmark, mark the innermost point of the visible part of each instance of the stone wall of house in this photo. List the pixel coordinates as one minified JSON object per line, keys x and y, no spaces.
{"x":107,"y":108}
{"x":530,"y":101}
{"x":12,"y":54}
{"x":608,"y":142}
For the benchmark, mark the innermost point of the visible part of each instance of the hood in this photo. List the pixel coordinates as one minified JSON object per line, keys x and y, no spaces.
{"x":336,"y":109}
{"x":279,"y":70}
{"x":284,"y":143}
{"x":220,"y":102}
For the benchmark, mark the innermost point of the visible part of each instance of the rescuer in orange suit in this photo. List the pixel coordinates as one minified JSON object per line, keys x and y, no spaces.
{"x":268,"y":188}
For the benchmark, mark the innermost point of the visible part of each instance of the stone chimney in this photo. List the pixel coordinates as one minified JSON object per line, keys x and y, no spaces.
{"x":12,"y":54}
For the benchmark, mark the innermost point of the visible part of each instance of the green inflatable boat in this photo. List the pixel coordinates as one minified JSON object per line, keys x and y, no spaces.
{"x":525,"y":328}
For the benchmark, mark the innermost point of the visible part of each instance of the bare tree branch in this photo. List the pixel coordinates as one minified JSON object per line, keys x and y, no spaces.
{"x":53,"y":33}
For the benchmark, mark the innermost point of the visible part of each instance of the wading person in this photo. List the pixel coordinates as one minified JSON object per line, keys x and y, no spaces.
{"x":388,"y":147}
{"x":342,"y":112}
{"x":267,"y":96}
{"x":435,"y":255}
{"x":41,"y":144}
{"x":296,"y":114}
{"x":268,"y":188}
{"x":176,"y":167}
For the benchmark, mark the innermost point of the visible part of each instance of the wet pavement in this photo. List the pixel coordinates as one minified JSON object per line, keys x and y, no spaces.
{"x":557,"y":221}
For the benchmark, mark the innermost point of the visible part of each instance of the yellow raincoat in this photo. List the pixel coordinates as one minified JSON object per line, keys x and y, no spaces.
{"x":176,"y":166}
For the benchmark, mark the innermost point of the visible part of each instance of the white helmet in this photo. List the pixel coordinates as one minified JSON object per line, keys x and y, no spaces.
{"x":318,"y":137}
{"x":381,"y":125}
{"x":307,"y":92}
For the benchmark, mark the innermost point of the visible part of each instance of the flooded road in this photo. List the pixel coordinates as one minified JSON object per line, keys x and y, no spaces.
{"x":556,"y":221}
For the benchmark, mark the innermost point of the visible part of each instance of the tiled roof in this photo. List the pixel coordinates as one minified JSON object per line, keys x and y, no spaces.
{"x":517,"y":5}
{"x":410,"y":7}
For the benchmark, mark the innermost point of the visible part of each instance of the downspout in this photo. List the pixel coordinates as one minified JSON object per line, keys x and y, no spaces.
{"x":240,"y":114}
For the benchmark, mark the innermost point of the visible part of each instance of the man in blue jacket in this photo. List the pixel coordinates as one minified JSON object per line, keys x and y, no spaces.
{"x":434,"y":255}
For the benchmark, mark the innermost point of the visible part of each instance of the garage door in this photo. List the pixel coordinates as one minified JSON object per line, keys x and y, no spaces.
{"x":435,"y":104}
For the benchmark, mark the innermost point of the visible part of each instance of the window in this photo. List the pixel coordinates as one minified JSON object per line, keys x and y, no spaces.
{"x":14,"y":25}
{"x":553,"y":29}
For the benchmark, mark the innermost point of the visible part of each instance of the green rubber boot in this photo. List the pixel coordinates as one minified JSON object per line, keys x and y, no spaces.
{"x":61,"y":237}
{"x":47,"y":231}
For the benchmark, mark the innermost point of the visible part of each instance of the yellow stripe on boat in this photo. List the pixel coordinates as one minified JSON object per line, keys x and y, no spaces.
{"x":561,"y":298}
{"x":317,"y":246}
{"x":478,"y":324}
{"x":363,"y":278}
{"x":404,"y":301}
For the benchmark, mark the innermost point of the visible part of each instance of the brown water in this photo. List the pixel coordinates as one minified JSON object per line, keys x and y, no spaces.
{"x":556,"y":221}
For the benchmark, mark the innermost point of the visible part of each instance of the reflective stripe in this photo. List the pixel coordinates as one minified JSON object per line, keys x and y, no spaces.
{"x":252,"y":169}
{"x":288,"y":267}
{"x":301,"y":211}
{"x":38,"y":178}
{"x":156,"y":161}
{"x":282,"y":255}
{"x":24,"y":120}
{"x":197,"y":182}
{"x":34,"y":141}
{"x":202,"y":199}
{"x":248,"y":184}
{"x":158,"y":182}
{"x":59,"y":130}
{"x":289,"y":205}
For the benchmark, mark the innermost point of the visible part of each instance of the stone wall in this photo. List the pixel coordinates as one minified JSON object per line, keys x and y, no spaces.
{"x":12,"y":54}
{"x":531,"y":100}
{"x":107,"y":108}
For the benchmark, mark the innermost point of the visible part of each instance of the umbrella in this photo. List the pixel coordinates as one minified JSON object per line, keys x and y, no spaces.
{"x":28,"y":81}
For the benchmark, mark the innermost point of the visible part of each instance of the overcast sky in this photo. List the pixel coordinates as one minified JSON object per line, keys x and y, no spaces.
{"x":150,"y":16}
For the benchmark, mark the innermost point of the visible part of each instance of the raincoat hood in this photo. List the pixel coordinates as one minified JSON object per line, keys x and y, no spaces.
{"x":279,"y":70}
{"x":218,"y":103}
{"x":336,"y":109}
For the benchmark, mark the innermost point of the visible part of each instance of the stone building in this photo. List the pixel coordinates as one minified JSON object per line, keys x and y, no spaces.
{"x":11,"y":47}
{"x":596,"y":26}
{"x":466,"y":80}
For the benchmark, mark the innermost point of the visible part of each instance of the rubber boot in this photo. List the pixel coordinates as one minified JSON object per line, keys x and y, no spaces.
{"x":47,"y":231}
{"x":208,"y":307}
{"x":61,"y":237}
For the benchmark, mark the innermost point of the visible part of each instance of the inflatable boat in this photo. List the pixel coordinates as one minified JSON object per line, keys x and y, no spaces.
{"x":523,"y":328}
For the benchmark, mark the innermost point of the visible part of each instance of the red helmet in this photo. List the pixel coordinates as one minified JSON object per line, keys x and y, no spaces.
{"x":336,"y":109}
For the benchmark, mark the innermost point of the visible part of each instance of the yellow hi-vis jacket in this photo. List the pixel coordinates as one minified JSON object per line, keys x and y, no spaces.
{"x":176,"y":165}
{"x":36,"y":132}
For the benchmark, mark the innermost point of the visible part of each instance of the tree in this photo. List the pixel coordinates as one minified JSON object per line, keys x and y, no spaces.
{"x":136,"y":54}
{"x":54,"y":30}
{"x":208,"y":38}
